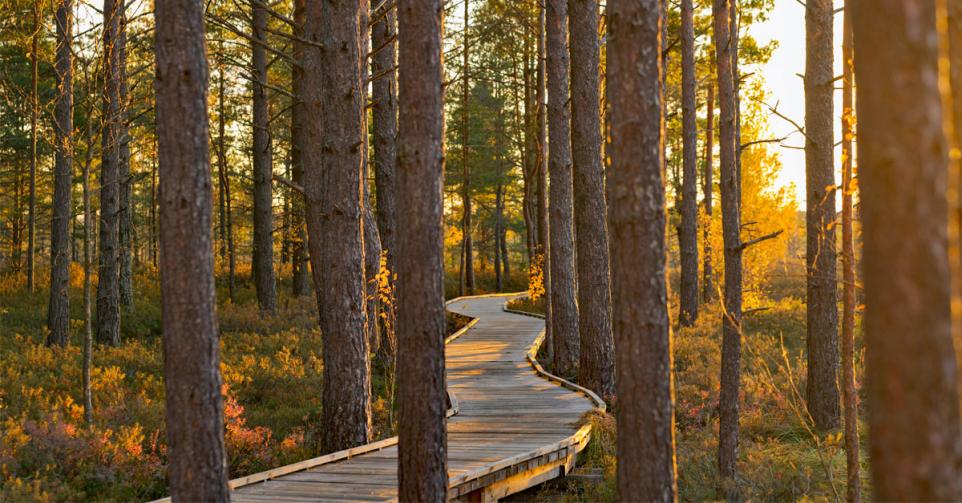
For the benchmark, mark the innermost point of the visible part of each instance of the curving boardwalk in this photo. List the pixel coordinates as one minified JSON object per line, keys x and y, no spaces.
{"x":511,"y":426}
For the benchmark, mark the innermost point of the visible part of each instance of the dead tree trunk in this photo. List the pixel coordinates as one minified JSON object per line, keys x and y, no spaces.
{"x":263,"y":243}
{"x":332,"y":182}
{"x":58,"y":314}
{"x":822,"y":289}
{"x":850,"y":399}
{"x":422,"y":459}
{"x":591,"y":226}
{"x":194,"y":411}
{"x":688,"y":233}
{"x":108,"y":285}
{"x":731,"y":223}
{"x":646,"y":463}
{"x":912,"y":374}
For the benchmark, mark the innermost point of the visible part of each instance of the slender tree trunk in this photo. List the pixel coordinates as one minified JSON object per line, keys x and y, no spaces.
{"x":466,"y":224}
{"x":850,"y":398}
{"x":333,"y":111}
{"x":422,"y":462}
{"x":688,"y":235}
{"x":58,"y":314}
{"x":822,"y":289}
{"x":541,"y":159}
{"x":88,"y":334}
{"x":263,"y":244}
{"x":564,"y":310}
{"x":299,"y":259}
{"x":912,"y":374}
{"x":224,"y":174}
{"x":591,"y":227}
{"x":108,"y":284}
{"x":385,"y":110}
{"x":125,"y":214}
{"x":646,"y":463}
{"x":708,"y":288}
{"x":195,"y":429}
{"x":34,"y":113}
{"x":731,"y":224}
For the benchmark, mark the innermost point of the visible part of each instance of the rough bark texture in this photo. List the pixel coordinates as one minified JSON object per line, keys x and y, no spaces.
{"x":194,"y":407}
{"x":125,"y":215}
{"x":849,"y":393}
{"x":263,"y":243}
{"x":912,"y":375}
{"x":646,"y":463}
{"x":333,"y":108}
{"x":541,"y":161}
{"x":372,"y":240}
{"x":385,"y":127}
{"x":688,"y":233}
{"x":822,"y":289}
{"x":564,"y":309}
{"x":58,"y":314}
{"x":597,"y":369}
{"x":565,"y":342}
{"x":299,"y":253}
{"x":708,"y":287}
{"x":422,"y":460}
{"x":108,"y":285}
{"x":731,"y":224}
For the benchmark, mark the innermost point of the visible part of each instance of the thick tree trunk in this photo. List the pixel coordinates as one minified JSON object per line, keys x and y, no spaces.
{"x":108,"y":285}
{"x":194,"y":407}
{"x":125,"y":215}
{"x":34,"y":116}
{"x":591,"y":227}
{"x":912,"y":374}
{"x":58,"y":314}
{"x":822,"y":290}
{"x":422,"y":461}
{"x":384,"y":90}
{"x":850,"y":398}
{"x":708,"y":288}
{"x":565,"y":341}
{"x":263,"y":243}
{"x":466,"y":242}
{"x":731,"y":223}
{"x":332,"y":181}
{"x":688,"y":233}
{"x":646,"y":463}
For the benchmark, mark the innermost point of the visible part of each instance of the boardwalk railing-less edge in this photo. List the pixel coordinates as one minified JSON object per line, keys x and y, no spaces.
{"x":511,"y":424}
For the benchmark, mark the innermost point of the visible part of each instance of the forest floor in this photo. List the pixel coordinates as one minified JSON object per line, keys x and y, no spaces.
{"x":781,"y":458}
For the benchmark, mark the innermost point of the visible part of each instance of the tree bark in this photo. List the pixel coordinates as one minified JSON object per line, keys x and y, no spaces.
{"x":88,"y":334}
{"x":912,"y":375}
{"x":731,"y":223}
{"x":822,"y":290}
{"x":194,"y":407}
{"x":565,"y":342}
{"x":591,"y":227}
{"x":34,"y":115}
{"x":223,"y":174}
{"x":688,"y":234}
{"x":849,"y":393}
{"x":646,"y":463}
{"x":708,"y":292}
{"x":422,"y":461}
{"x":385,"y":110}
{"x":466,"y":242}
{"x":58,"y":313}
{"x":108,"y":285}
{"x":541,"y":161}
{"x":263,"y":243}
{"x":125,"y":210}
{"x":332,"y":182}
{"x":299,"y":252}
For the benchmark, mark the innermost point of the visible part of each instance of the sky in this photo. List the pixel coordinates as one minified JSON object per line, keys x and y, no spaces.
{"x":787,"y":25}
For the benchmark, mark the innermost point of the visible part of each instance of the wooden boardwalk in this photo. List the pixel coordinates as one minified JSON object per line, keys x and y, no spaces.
{"x":511,"y":426}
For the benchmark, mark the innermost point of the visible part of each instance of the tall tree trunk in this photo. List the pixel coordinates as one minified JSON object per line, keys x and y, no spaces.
{"x":194,"y":407}
{"x":850,"y":398}
{"x":688,"y":234}
{"x":541,"y":159}
{"x":498,"y":222}
{"x":108,"y":284}
{"x":912,"y":374}
{"x":731,"y":223}
{"x":222,"y":168}
{"x":88,"y":334}
{"x":422,"y":460}
{"x":564,"y":310}
{"x":591,"y":227}
{"x":466,"y":242}
{"x":125,"y":212}
{"x":58,"y":313}
{"x":332,"y":176}
{"x":299,"y":253}
{"x":34,"y":113}
{"x":646,"y":463}
{"x":708,"y":292}
{"x":822,"y":289}
{"x":263,"y":244}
